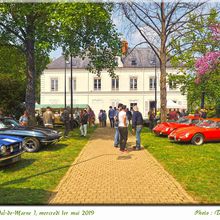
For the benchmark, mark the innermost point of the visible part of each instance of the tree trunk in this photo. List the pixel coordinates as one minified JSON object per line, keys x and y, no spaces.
{"x":163,"y":89}
{"x":203,"y":99}
{"x":30,"y":89}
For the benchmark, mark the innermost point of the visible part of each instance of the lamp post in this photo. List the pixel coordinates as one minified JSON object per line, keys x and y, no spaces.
{"x":66,"y":62}
{"x":154,"y":61}
{"x":155,"y":84}
{"x":71,"y":88}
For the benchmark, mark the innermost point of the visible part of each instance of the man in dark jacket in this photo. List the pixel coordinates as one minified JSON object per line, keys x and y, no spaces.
{"x":83,"y":123}
{"x":66,"y":120}
{"x":111,"y":114}
{"x":137,"y":124}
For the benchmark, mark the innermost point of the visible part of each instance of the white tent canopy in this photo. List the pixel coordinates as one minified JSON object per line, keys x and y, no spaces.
{"x":172,"y":104}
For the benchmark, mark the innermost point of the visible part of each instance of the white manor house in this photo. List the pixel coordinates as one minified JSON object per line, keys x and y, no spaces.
{"x":134,"y":84}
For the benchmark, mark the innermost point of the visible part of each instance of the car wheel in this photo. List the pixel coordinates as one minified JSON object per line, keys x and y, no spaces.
{"x":198,"y":139}
{"x":31,"y":144}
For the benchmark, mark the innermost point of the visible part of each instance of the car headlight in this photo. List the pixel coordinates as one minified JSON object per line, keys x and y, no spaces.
{"x":3,"y":149}
{"x":187,"y":135}
{"x":11,"y":149}
{"x":167,"y":129}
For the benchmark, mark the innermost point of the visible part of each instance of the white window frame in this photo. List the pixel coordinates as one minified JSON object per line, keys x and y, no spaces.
{"x":172,"y":85}
{"x":54,"y":84}
{"x":152,"y":85}
{"x":97,"y":88}
{"x":132,"y":83}
{"x":116,"y":85}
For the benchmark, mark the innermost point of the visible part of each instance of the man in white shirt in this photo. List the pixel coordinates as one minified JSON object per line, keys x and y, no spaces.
{"x":123,"y":128}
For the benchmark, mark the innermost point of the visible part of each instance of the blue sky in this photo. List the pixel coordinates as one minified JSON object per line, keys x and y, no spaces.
{"x":122,"y":25}
{"x":127,"y":31}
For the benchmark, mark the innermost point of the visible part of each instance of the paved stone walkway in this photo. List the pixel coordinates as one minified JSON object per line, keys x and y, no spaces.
{"x":104,"y":175}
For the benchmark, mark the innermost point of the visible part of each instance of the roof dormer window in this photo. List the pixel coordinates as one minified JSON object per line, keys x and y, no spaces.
{"x":133,"y":62}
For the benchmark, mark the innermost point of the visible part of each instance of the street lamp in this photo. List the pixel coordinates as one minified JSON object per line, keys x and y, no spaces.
{"x":66,"y":62}
{"x":154,"y":61}
{"x":155,"y":85}
{"x":71,"y":87}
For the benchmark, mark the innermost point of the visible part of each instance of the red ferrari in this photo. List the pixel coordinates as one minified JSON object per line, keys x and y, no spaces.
{"x":165,"y":128}
{"x":206,"y":131}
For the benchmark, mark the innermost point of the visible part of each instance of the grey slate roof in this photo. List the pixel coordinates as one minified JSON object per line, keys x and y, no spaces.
{"x":59,"y":63}
{"x":137,"y":58}
{"x":140,"y":58}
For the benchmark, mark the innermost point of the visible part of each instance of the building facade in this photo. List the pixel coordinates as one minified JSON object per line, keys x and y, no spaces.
{"x":134,"y":84}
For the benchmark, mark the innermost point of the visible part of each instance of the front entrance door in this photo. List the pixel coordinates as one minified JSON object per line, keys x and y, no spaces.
{"x":152,"y":104}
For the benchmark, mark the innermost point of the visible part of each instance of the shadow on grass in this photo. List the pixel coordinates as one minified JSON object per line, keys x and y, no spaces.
{"x":54,"y":147}
{"x":17,"y":166}
{"x":24,"y":179}
{"x":23,"y":196}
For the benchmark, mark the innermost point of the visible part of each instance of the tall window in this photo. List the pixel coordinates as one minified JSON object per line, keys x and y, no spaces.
{"x":97,"y":84}
{"x":152,"y":83}
{"x":172,"y":85}
{"x":133,"y":83}
{"x":115,"y":83}
{"x":54,"y":84}
{"x":74,"y":84}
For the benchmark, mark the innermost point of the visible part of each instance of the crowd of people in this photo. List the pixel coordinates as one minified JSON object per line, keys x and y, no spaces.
{"x":173,"y":115}
{"x":119,"y":118}
{"x":122,"y":118}
{"x":84,"y":117}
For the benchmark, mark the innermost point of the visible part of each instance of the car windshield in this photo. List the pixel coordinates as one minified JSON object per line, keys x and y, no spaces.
{"x":10,"y":122}
{"x":183,"y":120}
{"x":2,"y":125}
{"x":207,"y":124}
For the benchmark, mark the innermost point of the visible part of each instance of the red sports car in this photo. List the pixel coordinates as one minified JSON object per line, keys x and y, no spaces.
{"x":166,"y":128}
{"x":206,"y":131}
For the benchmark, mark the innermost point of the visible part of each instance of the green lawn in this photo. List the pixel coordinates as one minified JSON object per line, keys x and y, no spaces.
{"x":31,"y":180}
{"x":197,"y":168}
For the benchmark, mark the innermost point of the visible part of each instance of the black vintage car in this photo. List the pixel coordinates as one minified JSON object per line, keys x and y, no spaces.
{"x":34,"y":137}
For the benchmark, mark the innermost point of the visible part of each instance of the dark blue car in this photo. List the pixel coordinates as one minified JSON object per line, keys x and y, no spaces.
{"x":34,"y":137}
{"x":11,"y":149}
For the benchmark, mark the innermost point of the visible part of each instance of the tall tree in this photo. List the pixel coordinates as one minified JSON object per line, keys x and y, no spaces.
{"x":35,"y":28}
{"x":91,"y":34}
{"x":159,"y":23}
{"x":199,"y":61}
{"x":26,"y":27}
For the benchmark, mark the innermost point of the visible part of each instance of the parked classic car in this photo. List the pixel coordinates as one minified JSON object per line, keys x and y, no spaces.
{"x":34,"y":137}
{"x":165,"y":128}
{"x":206,"y":131}
{"x":10,"y":149}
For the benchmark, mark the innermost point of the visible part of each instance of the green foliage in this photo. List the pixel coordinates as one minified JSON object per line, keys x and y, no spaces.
{"x":12,"y":61}
{"x":91,"y":33}
{"x":197,"y":42}
{"x":12,"y":94}
{"x":37,"y":28}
